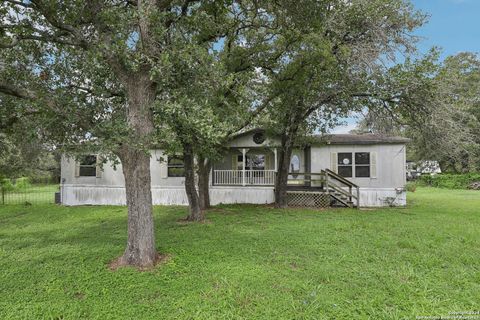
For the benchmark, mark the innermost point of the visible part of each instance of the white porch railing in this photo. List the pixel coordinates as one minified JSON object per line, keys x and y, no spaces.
{"x":237,"y":177}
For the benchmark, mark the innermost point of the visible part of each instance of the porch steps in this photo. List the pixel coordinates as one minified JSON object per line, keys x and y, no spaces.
{"x":343,"y":200}
{"x":329,"y":190}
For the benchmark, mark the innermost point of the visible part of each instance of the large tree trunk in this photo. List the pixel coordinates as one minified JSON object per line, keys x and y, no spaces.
{"x":282,"y":174}
{"x":140,"y":251}
{"x":196,"y":213}
{"x":204,"y":167}
{"x":292,"y":120}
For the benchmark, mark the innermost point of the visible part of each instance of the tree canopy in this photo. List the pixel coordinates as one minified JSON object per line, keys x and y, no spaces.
{"x":120,"y":77}
{"x":446,"y":128}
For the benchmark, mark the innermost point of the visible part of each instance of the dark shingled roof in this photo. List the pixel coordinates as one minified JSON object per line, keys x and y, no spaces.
{"x":368,"y":138}
{"x":350,"y":139}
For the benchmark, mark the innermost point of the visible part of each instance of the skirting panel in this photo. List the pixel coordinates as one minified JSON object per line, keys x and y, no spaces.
{"x":308,"y":199}
{"x":92,"y":195}
{"x":73,"y":195}
{"x":254,"y":195}
{"x":384,"y":197}
{"x":105,"y":195}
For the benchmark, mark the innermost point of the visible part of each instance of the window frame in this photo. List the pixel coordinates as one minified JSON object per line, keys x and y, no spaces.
{"x":82,"y":165}
{"x":353,"y":165}
{"x":364,"y":165}
{"x":342,"y":165}
{"x":175,"y":166}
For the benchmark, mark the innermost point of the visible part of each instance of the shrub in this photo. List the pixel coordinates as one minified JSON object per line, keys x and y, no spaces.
{"x":22,"y":183}
{"x":411,"y":186}
{"x":450,"y":181}
{"x":7,"y":185}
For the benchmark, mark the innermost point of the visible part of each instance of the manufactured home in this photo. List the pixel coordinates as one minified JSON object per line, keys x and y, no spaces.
{"x":366,"y":170}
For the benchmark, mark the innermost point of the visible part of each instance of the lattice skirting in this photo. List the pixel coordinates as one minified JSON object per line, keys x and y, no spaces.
{"x":308,"y":199}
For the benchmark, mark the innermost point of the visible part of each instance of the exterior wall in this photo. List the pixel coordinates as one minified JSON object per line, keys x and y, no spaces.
{"x":391,"y":171}
{"x":112,"y":176}
{"x":108,"y":189}
{"x":246,"y":141}
{"x":387,"y":188}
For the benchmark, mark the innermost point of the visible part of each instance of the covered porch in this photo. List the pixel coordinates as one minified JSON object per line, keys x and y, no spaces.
{"x":246,"y":167}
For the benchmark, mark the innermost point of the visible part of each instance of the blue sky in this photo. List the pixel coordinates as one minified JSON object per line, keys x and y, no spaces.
{"x":453,"y":25}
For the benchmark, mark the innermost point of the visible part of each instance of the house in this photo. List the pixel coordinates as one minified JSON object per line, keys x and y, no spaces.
{"x":425,"y":167}
{"x":365,"y":170}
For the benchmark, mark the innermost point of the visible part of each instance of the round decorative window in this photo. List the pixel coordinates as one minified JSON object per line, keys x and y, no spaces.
{"x":259,"y":137}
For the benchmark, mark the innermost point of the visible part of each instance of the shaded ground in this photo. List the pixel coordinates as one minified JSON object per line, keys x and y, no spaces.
{"x":247,"y":262}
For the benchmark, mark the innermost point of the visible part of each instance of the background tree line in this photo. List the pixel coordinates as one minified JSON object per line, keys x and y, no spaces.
{"x":450,"y":134}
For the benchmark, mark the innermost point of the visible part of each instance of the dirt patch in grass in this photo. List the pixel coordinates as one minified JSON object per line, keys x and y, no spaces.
{"x":120,"y":263}
{"x":79,"y":295}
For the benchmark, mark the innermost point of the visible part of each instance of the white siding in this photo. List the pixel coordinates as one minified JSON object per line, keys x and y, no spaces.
{"x":108,"y":189}
{"x":390,"y":164}
{"x":113,"y":177}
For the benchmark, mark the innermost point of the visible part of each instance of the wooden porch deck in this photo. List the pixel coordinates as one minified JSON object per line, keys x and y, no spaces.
{"x":322,"y":189}
{"x":307,"y":189}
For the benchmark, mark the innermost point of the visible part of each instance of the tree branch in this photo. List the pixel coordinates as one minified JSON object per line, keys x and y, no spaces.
{"x":46,"y":39}
{"x":111,"y":94}
{"x":17,"y":92}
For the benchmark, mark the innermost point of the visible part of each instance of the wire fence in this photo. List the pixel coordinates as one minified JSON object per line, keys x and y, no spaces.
{"x":28,"y":194}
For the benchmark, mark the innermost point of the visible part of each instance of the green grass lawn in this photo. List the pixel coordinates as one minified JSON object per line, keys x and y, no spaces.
{"x":248,"y":262}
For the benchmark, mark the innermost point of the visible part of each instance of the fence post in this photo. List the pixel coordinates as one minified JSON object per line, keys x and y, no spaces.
{"x":3,"y":195}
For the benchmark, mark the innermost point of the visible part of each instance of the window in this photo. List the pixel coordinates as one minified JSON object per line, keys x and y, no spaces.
{"x":88,"y":166}
{"x":259,"y":138}
{"x":176,"y":167}
{"x":345,"y":165}
{"x":362,"y":164}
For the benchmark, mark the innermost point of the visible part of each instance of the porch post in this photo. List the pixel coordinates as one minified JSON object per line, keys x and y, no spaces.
{"x":275,"y":157}
{"x":244,"y":152}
